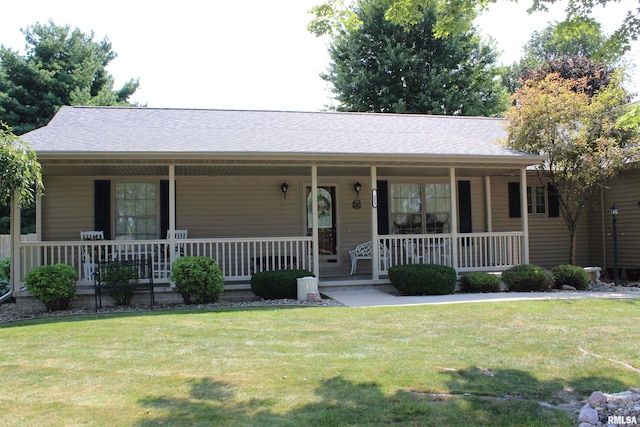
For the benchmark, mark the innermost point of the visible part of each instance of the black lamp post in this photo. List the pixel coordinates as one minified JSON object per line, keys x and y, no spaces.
{"x":614,"y":217}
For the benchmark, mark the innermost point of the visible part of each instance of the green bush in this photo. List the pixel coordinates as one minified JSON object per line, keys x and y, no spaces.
{"x":5,"y":276}
{"x":54,"y":285}
{"x":119,"y":273}
{"x":527,"y":277}
{"x":277,"y":284}
{"x":198,"y":279}
{"x":479,"y":282}
{"x":570,"y":275}
{"x":423,"y":279}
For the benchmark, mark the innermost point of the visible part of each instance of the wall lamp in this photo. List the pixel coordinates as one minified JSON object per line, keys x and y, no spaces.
{"x":284,"y":188}
{"x":357,"y":187}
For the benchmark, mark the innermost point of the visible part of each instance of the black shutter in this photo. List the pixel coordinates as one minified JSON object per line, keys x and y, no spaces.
{"x":164,"y":208}
{"x":514,"y":200}
{"x":464,"y":206}
{"x":102,"y":207}
{"x":383,"y":207}
{"x":554,"y":205}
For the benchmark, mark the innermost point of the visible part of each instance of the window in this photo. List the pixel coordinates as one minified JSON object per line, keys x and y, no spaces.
{"x":136,"y":211}
{"x":414,"y":211}
{"x":536,"y":200}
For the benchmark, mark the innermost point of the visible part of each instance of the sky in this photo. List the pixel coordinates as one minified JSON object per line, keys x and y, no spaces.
{"x":246,"y":55}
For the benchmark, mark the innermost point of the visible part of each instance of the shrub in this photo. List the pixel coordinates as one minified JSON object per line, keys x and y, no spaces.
{"x":277,"y":284}
{"x":570,"y":275}
{"x":54,"y":285}
{"x":5,"y":275}
{"x":527,"y":277}
{"x":116,"y":274}
{"x":479,"y":282}
{"x":423,"y":279}
{"x":198,"y":279}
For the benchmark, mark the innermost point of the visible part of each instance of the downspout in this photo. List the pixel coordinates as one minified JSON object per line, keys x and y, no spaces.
{"x":314,"y":222}
{"x":172,"y":218}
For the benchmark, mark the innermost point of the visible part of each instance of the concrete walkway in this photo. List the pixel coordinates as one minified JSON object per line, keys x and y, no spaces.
{"x":376,"y":298}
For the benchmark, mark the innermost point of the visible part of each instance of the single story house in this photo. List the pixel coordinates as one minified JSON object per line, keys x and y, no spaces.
{"x":260,"y":190}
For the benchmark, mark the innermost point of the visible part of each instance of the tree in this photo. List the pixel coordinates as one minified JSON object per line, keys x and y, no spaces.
{"x":20,"y":169}
{"x":333,"y":15}
{"x":60,"y":67}
{"x":580,"y":37}
{"x":384,"y":67}
{"x":576,"y":129}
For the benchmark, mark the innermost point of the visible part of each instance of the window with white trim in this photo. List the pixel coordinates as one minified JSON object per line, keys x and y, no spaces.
{"x":536,"y":200}
{"x":136,"y":211}
{"x":417,"y":211}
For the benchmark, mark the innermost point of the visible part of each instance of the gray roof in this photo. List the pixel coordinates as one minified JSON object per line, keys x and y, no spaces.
{"x":94,"y":130}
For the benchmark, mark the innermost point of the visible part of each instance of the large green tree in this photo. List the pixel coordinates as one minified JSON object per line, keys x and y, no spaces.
{"x":561,"y":116}
{"x":60,"y":66}
{"x":385,"y":67}
{"x":331,"y":15}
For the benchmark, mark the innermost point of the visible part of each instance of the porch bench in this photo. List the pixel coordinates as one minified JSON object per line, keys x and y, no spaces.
{"x":124,"y":275}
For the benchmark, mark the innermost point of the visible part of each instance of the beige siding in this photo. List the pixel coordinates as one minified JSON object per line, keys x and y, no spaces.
{"x":67,"y":207}
{"x":548,"y":236}
{"x":624,"y":191}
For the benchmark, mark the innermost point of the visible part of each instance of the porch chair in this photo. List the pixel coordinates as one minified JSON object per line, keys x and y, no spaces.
{"x":365,"y":251}
{"x":162,"y":264}
{"x":88,"y":256}
{"x":178,"y":235}
{"x":411,"y":255}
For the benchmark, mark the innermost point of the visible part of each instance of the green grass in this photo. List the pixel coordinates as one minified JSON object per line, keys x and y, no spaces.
{"x":329,"y":366}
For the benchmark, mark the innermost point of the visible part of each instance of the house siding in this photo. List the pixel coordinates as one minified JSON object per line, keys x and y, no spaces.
{"x":624,"y":191}
{"x":548,"y":236}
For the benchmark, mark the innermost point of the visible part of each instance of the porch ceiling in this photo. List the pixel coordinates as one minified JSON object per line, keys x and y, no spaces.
{"x":478,"y":166}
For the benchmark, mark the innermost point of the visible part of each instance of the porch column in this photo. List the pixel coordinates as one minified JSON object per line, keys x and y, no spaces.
{"x":38,"y":217}
{"x":487,"y":204}
{"x":454,"y":218}
{"x":172,"y":197}
{"x":375,"y":247}
{"x":525,"y":215}
{"x":15,"y":242}
{"x":314,"y":221}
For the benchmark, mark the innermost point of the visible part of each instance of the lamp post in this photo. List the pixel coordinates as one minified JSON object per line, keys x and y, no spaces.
{"x":614,"y":218}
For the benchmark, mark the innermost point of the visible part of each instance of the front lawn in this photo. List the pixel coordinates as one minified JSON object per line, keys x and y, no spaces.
{"x":483,"y":364}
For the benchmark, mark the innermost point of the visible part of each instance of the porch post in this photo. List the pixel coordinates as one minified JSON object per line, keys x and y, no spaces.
{"x":375,"y":247}
{"x":487,"y":204}
{"x":172,"y":212}
{"x":15,"y":242}
{"x":314,"y":221}
{"x":525,"y":215}
{"x":38,"y":217}
{"x":454,"y":218}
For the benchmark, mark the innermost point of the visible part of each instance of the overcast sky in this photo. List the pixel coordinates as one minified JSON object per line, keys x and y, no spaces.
{"x":253,"y":54}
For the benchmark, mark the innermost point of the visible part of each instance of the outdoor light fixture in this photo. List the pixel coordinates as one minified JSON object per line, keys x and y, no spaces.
{"x":284,"y":188}
{"x":357,"y":204}
{"x":614,"y":217}
{"x":357,"y":187}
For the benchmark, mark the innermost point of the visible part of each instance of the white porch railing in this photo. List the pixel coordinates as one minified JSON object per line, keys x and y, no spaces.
{"x":5,"y":243}
{"x":237,"y":258}
{"x":475,"y":251}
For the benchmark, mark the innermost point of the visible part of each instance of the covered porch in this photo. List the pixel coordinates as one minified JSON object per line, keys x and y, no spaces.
{"x":295,"y":229}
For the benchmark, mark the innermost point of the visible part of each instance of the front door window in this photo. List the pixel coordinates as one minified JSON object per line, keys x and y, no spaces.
{"x":327,"y":229}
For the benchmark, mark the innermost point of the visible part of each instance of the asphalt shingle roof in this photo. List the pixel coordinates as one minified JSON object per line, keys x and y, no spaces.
{"x":153,"y":130}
